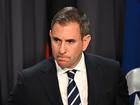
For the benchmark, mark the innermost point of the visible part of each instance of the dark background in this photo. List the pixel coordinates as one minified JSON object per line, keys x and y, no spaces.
{"x":24,"y":28}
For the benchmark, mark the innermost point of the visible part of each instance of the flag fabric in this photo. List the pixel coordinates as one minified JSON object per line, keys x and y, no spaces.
{"x":131,"y":50}
{"x":47,"y":51}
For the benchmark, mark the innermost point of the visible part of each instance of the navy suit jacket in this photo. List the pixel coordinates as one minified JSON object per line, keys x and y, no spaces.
{"x":38,"y":85}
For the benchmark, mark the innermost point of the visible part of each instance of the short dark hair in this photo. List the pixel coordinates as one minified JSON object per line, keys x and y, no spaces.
{"x":72,"y":14}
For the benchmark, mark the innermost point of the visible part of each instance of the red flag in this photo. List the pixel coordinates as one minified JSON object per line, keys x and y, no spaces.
{"x":47,"y":51}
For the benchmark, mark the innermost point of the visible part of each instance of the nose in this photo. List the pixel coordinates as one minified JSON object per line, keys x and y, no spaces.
{"x":62,"y":49}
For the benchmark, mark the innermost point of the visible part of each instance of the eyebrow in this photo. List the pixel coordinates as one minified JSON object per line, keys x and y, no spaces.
{"x":55,"y":37}
{"x":70,"y":40}
{"x":67,"y":40}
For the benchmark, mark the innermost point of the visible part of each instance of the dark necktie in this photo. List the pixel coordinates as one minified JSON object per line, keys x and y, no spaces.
{"x":72,"y":91}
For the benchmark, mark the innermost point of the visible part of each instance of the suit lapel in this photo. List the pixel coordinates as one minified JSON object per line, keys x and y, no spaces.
{"x":93,"y":78}
{"x":50,"y":82}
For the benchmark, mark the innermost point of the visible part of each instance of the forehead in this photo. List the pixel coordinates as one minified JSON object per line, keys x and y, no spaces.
{"x":70,"y":29}
{"x":71,"y":24}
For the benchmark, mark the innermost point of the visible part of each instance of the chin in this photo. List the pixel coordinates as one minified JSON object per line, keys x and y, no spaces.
{"x":63,"y":66}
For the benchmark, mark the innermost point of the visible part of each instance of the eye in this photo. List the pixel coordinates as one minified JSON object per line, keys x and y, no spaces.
{"x":71,"y":41}
{"x":56,"y":40}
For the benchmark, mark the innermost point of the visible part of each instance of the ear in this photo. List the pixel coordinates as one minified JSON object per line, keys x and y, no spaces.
{"x":50,"y":33}
{"x":86,"y":41}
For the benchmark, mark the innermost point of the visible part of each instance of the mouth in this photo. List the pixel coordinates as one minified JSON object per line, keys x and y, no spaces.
{"x":62,"y":58}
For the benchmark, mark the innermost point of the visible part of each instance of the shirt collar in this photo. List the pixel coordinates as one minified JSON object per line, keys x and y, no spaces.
{"x":78,"y":67}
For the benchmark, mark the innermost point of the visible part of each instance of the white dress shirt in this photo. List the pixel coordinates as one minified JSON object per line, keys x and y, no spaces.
{"x":80,"y":79}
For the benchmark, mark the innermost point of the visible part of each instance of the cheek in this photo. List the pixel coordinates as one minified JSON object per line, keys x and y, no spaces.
{"x":76,"y":50}
{"x":54,"y":49}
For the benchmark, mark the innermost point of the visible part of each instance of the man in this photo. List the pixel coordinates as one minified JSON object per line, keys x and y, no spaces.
{"x":97,"y":80}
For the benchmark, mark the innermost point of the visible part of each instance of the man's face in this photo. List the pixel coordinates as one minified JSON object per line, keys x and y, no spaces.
{"x":67,"y":44}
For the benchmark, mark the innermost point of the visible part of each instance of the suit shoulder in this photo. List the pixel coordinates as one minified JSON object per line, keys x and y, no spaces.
{"x":36,"y":69}
{"x":100,"y":60}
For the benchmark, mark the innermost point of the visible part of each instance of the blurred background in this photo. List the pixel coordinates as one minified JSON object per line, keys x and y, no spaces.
{"x":24,"y":36}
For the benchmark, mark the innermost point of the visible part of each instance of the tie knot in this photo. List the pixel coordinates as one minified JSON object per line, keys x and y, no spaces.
{"x":71,"y":73}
